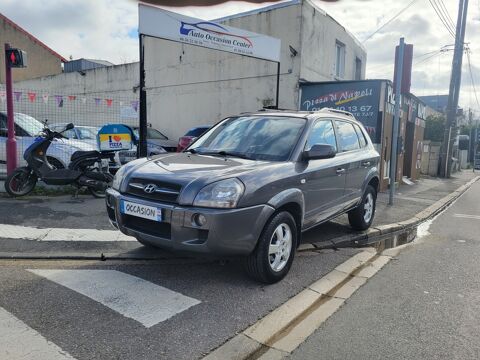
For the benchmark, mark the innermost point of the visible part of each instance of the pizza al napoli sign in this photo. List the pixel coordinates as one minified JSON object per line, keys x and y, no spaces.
{"x":164,"y":24}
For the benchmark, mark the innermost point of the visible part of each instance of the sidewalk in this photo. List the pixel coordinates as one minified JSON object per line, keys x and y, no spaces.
{"x":79,"y":228}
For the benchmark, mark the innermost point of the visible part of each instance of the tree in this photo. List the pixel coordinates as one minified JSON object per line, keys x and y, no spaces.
{"x":435,"y":128}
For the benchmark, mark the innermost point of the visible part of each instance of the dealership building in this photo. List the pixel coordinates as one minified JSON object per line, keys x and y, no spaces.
{"x":188,"y":85}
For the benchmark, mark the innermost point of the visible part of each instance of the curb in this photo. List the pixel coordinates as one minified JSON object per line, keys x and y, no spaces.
{"x":403,"y":229}
{"x":279,"y":333}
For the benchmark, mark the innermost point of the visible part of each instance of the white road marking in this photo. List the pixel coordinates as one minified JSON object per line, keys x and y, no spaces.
{"x":61,"y":234}
{"x":19,"y":341}
{"x":128,"y":295}
{"x":467,"y":216}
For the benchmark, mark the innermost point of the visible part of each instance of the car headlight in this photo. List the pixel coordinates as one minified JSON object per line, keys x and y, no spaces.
{"x":221,"y":194}
{"x":117,"y":179}
{"x":156,"y":149}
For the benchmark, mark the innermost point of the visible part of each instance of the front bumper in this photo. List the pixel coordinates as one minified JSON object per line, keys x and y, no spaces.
{"x":226,"y":231}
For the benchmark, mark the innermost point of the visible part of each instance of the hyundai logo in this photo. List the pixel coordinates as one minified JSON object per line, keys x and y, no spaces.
{"x":150,"y":188}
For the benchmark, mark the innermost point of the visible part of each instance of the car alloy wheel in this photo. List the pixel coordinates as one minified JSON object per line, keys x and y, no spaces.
{"x":368,"y":208}
{"x":280,"y":247}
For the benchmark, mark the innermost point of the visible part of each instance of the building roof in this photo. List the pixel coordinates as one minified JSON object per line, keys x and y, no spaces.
{"x":33,"y":38}
{"x":260,"y":10}
{"x":102,"y":62}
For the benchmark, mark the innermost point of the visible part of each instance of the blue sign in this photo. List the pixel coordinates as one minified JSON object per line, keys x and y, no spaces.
{"x":115,"y":137}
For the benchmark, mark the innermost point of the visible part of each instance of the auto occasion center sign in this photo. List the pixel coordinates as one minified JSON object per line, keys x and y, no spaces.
{"x":172,"y":26}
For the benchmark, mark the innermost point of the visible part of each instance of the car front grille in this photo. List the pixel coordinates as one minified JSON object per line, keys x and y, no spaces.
{"x":149,"y":227}
{"x":163,"y":191}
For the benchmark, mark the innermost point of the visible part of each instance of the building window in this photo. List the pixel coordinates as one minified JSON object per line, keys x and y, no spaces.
{"x":339,"y":60}
{"x":358,"y":69}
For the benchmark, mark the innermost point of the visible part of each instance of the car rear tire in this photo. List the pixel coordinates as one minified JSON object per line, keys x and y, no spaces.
{"x":272,"y":258}
{"x":362,"y":216}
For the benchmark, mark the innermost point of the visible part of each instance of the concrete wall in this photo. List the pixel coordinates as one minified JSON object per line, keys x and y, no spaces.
{"x":320,"y":33}
{"x":40,"y":60}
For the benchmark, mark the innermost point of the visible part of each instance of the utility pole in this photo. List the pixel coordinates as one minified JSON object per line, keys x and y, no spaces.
{"x":454,"y":91}
{"x":396,"y":120}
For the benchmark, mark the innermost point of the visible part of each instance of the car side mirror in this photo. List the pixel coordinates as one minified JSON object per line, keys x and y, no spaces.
{"x":3,"y":132}
{"x":320,"y":151}
{"x":69,"y":126}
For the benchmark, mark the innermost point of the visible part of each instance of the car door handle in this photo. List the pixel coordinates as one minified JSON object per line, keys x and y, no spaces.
{"x":366,"y":163}
{"x":340,"y":171}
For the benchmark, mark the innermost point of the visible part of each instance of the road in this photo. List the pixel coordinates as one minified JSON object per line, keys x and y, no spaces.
{"x":174,"y":308}
{"x":423,"y":305}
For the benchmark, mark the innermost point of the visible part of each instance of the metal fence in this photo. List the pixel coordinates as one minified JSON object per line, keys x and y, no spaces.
{"x":87,"y":112}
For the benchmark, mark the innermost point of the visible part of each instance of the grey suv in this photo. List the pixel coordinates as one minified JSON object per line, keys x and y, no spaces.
{"x":250,"y":186}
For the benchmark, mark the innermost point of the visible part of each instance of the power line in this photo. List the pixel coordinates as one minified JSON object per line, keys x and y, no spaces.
{"x":471,"y":77}
{"x":446,"y":12}
{"x":442,"y":19}
{"x":389,"y":21}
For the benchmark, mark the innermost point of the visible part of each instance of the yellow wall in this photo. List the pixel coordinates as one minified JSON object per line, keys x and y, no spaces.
{"x":41,"y":61}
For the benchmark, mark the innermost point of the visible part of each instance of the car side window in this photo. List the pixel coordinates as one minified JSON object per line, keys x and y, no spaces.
{"x":361,"y":136}
{"x":322,"y":133}
{"x":347,"y":136}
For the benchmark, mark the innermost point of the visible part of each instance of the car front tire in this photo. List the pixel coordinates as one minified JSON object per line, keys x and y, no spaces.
{"x":272,"y":258}
{"x":362,"y":216}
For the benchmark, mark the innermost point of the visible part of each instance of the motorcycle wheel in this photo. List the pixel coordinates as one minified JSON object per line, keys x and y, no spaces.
{"x":97,"y":193}
{"x":20,"y":182}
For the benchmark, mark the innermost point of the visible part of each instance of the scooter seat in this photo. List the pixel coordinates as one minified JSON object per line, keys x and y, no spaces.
{"x":78,"y":154}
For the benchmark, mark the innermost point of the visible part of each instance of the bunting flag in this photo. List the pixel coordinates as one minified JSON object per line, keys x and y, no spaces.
{"x":45,"y":98}
{"x":3,"y":95}
{"x":71,"y":97}
{"x":109,"y":102}
{"x":84,"y":100}
{"x":59,"y":100}
{"x":18,"y":95}
{"x":97,"y":101}
{"x":32,"y":96}
{"x":134,"y":105}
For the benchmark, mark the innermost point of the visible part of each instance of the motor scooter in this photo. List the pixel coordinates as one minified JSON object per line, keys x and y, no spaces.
{"x":85,"y":168}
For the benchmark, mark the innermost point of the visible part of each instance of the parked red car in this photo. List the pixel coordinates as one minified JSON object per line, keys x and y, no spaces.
{"x":190,"y":136}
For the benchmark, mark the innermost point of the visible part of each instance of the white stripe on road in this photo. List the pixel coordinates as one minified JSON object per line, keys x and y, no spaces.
{"x":60,"y":234}
{"x":131,"y":296}
{"x":19,"y":341}
{"x":467,"y":216}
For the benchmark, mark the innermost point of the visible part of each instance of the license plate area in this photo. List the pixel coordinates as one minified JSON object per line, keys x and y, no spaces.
{"x":143,"y":211}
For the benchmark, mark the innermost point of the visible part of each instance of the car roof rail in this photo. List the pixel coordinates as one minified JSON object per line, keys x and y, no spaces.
{"x":274,"y":108}
{"x":343,"y":112}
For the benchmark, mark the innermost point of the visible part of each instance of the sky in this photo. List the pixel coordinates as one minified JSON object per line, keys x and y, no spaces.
{"x":107,"y":29}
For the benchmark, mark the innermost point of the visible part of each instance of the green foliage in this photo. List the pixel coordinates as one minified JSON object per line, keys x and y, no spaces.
{"x":435,"y":128}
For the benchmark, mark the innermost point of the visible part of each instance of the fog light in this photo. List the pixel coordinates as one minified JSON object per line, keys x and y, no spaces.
{"x":199,"y":219}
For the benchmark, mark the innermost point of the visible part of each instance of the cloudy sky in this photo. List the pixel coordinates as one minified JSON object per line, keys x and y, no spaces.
{"x":107,"y":29}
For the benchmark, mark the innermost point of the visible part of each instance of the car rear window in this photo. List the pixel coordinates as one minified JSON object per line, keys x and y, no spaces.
{"x":347,"y":136}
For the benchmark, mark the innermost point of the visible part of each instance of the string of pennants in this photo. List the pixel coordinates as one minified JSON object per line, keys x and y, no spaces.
{"x":60,"y":99}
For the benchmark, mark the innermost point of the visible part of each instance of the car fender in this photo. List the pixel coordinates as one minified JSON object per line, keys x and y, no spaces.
{"x":293,"y":195}
{"x":372,"y":173}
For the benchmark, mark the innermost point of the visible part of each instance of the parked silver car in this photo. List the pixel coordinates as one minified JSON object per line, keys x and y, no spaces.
{"x":26,"y":130}
{"x":250,"y":186}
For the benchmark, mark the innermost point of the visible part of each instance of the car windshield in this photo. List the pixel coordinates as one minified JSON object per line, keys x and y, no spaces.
{"x":270,"y":138}
{"x":87,"y":132}
{"x":31,"y":125}
{"x":152,"y":134}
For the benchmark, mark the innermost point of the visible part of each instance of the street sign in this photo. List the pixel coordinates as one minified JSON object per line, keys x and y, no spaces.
{"x":16,"y":58}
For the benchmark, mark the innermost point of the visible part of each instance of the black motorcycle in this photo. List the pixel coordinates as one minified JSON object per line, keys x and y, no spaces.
{"x":85,"y":168}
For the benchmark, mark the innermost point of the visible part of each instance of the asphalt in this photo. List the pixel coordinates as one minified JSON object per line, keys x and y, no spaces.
{"x":86,"y":329}
{"x":422,"y":305}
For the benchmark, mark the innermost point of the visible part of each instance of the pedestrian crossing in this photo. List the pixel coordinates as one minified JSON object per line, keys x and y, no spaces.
{"x":129,"y":296}
{"x":19,"y":341}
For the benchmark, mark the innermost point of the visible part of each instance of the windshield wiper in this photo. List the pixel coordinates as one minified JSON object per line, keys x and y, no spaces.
{"x":226,"y":153}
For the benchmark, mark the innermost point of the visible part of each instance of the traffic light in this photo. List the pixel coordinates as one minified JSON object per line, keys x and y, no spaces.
{"x":16,"y":58}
